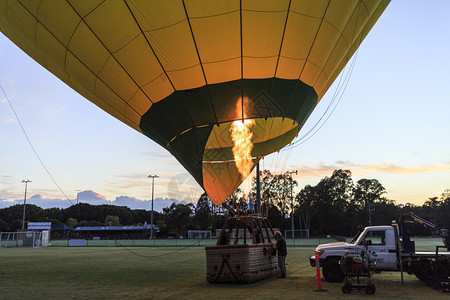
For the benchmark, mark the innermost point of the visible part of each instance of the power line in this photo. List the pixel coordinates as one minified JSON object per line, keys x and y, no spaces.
{"x":340,"y":89}
{"x":31,"y":145}
{"x":305,"y":138}
{"x":161,"y":255}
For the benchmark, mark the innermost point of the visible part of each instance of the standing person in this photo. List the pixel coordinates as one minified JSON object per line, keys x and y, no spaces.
{"x":225,"y":240}
{"x":280,"y":245}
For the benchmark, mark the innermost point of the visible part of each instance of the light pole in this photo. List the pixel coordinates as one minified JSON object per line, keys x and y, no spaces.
{"x":78,"y":193}
{"x":292,"y":200}
{"x":24,"y":202}
{"x":153,"y":190}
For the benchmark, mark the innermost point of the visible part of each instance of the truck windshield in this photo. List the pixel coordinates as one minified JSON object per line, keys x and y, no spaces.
{"x":357,"y":238}
{"x":357,"y":235}
{"x":372,"y":237}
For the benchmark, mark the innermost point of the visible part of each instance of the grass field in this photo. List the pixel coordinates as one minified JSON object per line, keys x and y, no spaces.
{"x":170,"y":273}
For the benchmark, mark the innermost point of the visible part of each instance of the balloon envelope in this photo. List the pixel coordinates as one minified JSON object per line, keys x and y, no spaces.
{"x":181,"y":72}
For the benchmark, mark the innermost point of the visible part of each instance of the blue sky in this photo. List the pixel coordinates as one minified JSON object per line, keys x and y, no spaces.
{"x":392,"y":124}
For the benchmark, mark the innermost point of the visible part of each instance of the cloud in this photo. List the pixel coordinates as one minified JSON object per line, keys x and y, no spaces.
{"x":93,"y":198}
{"x":327,"y":169}
{"x":393,"y":169}
{"x":8,"y":120}
{"x":318,"y":170}
{"x":181,"y":186}
{"x":139,"y":176}
{"x":133,"y":203}
{"x":156,"y":154}
{"x":37,"y":199}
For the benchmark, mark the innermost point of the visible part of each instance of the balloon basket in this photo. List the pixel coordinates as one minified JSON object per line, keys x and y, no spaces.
{"x":240,"y":263}
{"x":250,"y":256}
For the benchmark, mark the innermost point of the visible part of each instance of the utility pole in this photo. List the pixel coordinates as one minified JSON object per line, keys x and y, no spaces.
{"x":292,"y":200}
{"x":78,"y":193}
{"x":153,"y":189}
{"x":258,"y":191}
{"x":24,"y":202}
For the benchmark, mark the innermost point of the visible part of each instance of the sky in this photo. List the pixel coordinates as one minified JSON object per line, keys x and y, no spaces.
{"x":391,"y":123}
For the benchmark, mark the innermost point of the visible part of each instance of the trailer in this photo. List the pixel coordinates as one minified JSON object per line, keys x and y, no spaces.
{"x":392,"y":252}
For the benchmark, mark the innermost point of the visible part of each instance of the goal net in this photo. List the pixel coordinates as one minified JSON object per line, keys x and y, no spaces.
{"x":25,"y":239}
{"x":199,"y":234}
{"x":298,"y":234}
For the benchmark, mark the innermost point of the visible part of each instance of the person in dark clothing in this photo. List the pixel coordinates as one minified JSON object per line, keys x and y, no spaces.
{"x":257,"y":236}
{"x":225,"y":240}
{"x":280,"y":245}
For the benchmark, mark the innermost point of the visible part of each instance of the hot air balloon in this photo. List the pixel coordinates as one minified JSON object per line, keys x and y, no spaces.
{"x":185,"y":73}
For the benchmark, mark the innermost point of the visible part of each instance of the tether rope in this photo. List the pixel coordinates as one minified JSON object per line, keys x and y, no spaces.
{"x":161,"y":255}
{"x":31,"y":144}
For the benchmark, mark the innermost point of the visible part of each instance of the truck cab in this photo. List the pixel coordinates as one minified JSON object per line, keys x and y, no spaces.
{"x":378,"y":241}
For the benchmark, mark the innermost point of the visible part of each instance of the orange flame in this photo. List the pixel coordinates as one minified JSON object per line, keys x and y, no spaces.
{"x":242,"y":149}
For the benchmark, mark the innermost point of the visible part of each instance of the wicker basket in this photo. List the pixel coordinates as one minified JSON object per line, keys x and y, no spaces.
{"x":240,"y":263}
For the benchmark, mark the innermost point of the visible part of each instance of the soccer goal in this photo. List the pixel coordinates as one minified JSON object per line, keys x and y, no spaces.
{"x":25,"y":239}
{"x":298,"y":234}
{"x":199,"y":234}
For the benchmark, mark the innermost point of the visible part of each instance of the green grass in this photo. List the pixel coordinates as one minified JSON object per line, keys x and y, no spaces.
{"x":167,"y":273}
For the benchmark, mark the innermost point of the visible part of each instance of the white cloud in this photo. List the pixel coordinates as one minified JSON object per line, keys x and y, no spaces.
{"x":93,"y":198}
{"x":387,"y":168}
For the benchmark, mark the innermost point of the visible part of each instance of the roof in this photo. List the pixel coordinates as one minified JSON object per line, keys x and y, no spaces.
{"x":112,"y":228}
{"x":61,"y":227}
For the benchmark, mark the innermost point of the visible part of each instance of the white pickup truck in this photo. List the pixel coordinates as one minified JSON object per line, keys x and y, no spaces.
{"x":390,"y":254}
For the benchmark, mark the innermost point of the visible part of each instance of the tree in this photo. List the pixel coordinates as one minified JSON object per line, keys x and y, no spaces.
{"x":332,"y":200}
{"x":366,"y":192}
{"x":55,"y":215}
{"x":112,"y":220}
{"x":178,"y":217}
{"x":267,"y":195}
{"x":235,"y":201}
{"x":275,"y":190}
{"x":281,"y":192}
{"x":203,"y":216}
{"x":15,"y":225}
{"x":307,"y":202}
{"x":3,"y":225}
{"x":71,"y":222}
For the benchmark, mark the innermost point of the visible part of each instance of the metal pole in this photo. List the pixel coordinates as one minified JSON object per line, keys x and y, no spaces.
{"x":24,"y":202}
{"x":258,"y":190}
{"x":292,"y":201}
{"x":292,"y":210}
{"x":153,"y":190}
{"x":78,"y":193}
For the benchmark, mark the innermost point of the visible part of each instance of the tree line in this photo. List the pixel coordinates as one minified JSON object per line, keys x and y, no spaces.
{"x":335,"y":206}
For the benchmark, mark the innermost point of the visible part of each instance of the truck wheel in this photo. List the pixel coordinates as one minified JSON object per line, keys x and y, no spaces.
{"x":347,"y":288}
{"x":332,"y":271}
{"x":370,"y":289}
{"x":441,"y":271}
{"x":424,"y":271}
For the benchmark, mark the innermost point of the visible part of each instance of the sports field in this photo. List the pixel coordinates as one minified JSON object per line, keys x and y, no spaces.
{"x":170,"y":273}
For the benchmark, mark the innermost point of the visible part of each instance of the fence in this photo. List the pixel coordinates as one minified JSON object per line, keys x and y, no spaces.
{"x":139,"y":243}
{"x":306,"y":242}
